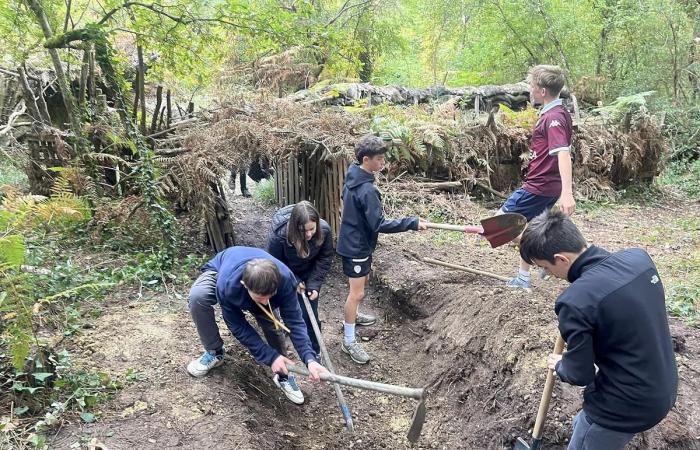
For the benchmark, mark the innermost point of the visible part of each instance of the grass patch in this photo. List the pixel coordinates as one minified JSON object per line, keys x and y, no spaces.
{"x":683,"y":288}
{"x":10,"y":174}
{"x":684,"y":176}
{"x":264,"y":192}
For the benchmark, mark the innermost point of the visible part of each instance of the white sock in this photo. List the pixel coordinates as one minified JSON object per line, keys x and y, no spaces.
{"x":524,"y":274}
{"x":348,"y":333}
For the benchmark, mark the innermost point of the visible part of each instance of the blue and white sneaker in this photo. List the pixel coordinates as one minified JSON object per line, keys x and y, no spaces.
{"x":202,"y":365}
{"x":290,"y":388}
{"x":519,"y":283}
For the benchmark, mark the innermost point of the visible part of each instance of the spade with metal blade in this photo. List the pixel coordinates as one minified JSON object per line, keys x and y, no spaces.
{"x":417,"y":393}
{"x":327,"y":359}
{"x":521,"y":444}
{"x":498,"y":230}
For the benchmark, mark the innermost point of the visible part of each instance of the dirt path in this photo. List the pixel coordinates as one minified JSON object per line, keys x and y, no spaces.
{"x":479,"y":347}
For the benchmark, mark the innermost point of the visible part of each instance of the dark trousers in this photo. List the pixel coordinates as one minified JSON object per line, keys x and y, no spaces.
{"x":242,"y":176}
{"x":307,"y":321}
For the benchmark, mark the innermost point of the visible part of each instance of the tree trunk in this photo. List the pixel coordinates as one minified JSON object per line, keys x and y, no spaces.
{"x":91,"y":74}
{"x":28,"y":94}
{"x":137,"y":96}
{"x":63,"y":84}
{"x":156,"y":111}
{"x":168,"y":105}
{"x":142,"y":88}
{"x":84,"y":69}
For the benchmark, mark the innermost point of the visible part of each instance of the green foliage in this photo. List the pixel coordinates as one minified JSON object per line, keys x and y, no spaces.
{"x":683,"y":292}
{"x":264,"y":192}
{"x":684,"y":176}
{"x":622,"y":106}
{"x":523,"y":119}
{"x":11,"y":174}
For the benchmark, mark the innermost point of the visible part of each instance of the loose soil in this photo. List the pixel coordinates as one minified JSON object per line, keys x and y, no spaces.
{"x":478,"y":347}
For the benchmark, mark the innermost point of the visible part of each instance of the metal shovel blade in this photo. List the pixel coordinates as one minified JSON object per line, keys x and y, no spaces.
{"x":503,"y":228}
{"x":520,"y":444}
{"x":417,"y":422}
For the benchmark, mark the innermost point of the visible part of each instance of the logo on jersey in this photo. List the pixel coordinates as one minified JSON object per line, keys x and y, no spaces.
{"x":554,"y":123}
{"x":654,"y":279}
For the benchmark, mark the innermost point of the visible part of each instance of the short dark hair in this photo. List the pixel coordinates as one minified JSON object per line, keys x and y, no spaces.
{"x":370,"y":145}
{"x":261,"y":276}
{"x":550,"y":233}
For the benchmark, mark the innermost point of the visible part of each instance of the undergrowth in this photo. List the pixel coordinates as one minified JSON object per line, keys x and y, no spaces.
{"x":264,"y":192}
{"x":52,"y":284}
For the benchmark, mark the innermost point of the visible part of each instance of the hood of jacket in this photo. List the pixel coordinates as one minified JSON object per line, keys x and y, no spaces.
{"x":357,"y":176}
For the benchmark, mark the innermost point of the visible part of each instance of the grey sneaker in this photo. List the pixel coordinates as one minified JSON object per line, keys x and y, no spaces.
{"x":202,"y":365}
{"x":290,"y":388}
{"x":519,"y":283}
{"x":356,"y":352}
{"x":365,"y":319}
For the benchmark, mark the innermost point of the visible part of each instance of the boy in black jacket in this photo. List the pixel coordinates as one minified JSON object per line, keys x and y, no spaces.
{"x":361,"y":222}
{"x":613,"y":317}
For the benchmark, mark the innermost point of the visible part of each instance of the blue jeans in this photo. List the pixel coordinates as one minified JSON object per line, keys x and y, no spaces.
{"x":588,"y":435}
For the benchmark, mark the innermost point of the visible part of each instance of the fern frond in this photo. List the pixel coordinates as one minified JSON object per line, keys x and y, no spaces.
{"x":12,"y":250}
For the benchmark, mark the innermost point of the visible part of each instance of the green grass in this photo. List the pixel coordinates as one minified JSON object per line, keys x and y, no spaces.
{"x":684,"y":176}
{"x":264,"y":192}
{"x":10,"y":174}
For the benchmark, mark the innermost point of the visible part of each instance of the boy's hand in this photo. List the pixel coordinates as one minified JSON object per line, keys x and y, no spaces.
{"x":422,"y":224}
{"x":279,"y":365}
{"x":552,"y":360}
{"x":312,"y":295}
{"x":315,"y":370}
{"x":301,"y":287}
{"x":567,"y":204}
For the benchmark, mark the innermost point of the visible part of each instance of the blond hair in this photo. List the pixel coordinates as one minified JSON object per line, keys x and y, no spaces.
{"x":551,"y":78}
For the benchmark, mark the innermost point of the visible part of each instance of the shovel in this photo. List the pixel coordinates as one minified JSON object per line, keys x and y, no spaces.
{"x":324,"y":352}
{"x":418,"y":394}
{"x":498,"y":230}
{"x":521,"y":444}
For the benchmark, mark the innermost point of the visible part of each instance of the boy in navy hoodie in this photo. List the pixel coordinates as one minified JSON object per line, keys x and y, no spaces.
{"x":361,"y":222}
{"x":245,"y":279}
{"x":613,"y":319}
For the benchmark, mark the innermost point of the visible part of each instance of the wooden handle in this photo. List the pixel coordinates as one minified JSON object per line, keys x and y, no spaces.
{"x":416,"y":393}
{"x":547,"y":394}
{"x":446,"y":226}
{"x":329,"y":365}
{"x":464,"y":268}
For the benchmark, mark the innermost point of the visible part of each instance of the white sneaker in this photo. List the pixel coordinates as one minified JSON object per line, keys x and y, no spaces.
{"x":202,"y":365}
{"x":290,"y":388}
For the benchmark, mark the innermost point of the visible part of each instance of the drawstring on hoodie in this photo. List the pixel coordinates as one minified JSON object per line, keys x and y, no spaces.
{"x":276,"y":322}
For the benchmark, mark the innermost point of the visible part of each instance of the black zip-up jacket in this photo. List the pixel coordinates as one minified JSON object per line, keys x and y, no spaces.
{"x":363,"y":219}
{"x":311,"y":270}
{"x":614,"y":316}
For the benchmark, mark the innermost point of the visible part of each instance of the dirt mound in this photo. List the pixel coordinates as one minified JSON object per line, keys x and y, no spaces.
{"x":479,"y":348}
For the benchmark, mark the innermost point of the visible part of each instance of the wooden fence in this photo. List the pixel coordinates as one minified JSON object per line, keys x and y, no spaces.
{"x":310,"y":176}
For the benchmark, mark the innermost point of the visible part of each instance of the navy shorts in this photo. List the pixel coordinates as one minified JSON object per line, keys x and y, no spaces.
{"x":528,"y":204}
{"x":357,"y":267}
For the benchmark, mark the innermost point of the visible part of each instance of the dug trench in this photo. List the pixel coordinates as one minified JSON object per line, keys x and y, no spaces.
{"x":478,"y":348}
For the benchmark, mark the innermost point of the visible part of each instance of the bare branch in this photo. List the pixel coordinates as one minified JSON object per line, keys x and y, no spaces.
{"x":345,"y":8}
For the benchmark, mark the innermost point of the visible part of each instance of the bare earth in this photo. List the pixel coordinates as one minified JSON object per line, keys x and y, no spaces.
{"x":479,"y":348}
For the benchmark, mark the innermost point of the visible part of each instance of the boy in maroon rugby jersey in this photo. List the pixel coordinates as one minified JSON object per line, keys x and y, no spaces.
{"x":549,"y":174}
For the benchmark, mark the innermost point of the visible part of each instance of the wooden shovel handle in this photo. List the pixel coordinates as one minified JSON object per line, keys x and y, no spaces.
{"x":462,"y":228}
{"x":547,"y":394}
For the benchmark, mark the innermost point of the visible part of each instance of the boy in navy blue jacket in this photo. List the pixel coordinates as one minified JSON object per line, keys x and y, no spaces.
{"x":613,"y":317}
{"x":249,"y":279}
{"x":361,"y":222}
